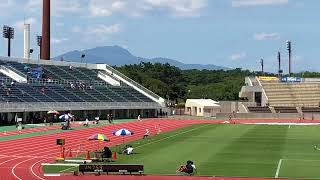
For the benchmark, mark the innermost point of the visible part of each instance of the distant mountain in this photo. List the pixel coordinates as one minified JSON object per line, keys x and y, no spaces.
{"x":118,"y":56}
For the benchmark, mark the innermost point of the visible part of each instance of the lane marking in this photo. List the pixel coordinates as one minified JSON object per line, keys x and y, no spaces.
{"x":278,"y":168}
{"x":12,"y":170}
{"x":8,"y":160}
{"x":61,"y":164}
{"x":31,"y":168}
{"x":52,"y":175}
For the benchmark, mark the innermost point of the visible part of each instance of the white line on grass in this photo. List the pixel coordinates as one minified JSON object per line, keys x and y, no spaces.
{"x":278,"y":169}
{"x":315,"y":160}
{"x":66,"y":169}
{"x":172,"y":136}
{"x":289,"y":126}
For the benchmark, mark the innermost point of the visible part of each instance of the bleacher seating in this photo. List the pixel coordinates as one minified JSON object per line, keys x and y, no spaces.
{"x":310,"y":109}
{"x":292,"y":94}
{"x":259,"y":109}
{"x":87,"y":86}
{"x":53,"y":72}
{"x":285,"y":109}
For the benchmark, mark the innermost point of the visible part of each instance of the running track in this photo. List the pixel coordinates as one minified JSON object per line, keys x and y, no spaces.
{"x":22,"y":158}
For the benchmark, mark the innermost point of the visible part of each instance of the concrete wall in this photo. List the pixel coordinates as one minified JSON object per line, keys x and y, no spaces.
{"x":270,"y":115}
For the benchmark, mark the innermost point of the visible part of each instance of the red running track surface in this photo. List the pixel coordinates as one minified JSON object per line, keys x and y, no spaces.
{"x":34,"y":130}
{"x":22,"y":158}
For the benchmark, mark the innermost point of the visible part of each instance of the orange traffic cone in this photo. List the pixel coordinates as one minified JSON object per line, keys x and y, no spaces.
{"x":88,"y":156}
{"x":70,"y":153}
{"x":115,"y":155}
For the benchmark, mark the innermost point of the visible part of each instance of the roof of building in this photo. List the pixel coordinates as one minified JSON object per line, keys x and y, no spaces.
{"x":203,"y":102}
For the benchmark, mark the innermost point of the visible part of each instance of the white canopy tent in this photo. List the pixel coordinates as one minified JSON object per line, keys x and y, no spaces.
{"x":202,"y":107}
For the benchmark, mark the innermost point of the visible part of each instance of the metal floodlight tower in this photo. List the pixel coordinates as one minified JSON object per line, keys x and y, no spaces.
{"x":262,"y":66}
{"x":39,"y":43}
{"x":289,"y":52}
{"x":8,"y":33}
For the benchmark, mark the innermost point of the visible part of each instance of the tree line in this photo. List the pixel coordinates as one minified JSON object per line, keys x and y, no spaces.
{"x":178,"y":85}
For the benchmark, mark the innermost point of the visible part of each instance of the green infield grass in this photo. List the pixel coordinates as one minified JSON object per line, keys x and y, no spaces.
{"x":231,"y":151}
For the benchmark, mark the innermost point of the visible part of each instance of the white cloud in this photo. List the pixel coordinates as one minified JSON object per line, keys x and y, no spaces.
{"x":184,"y":8}
{"x":266,"y":36}
{"x":76,"y":29}
{"x":58,"y":7}
{"x":20,"y":24}
{"x":6,"y":3}
{"x":103,"y":29}
{"x":238,"y":56}
{"x":247,"y":3}
{"x":105,"y":8}
{"x":180,"y":8}
{"x":58,"y":40}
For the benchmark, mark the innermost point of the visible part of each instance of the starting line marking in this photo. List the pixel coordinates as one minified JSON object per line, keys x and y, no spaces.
{"x":278,"y":168}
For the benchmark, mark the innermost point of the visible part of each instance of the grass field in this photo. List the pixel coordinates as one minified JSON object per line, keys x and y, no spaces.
{"x":232,"y":151}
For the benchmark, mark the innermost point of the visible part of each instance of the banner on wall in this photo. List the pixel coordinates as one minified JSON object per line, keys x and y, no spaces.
{"x":268,"y":78}
{"x":291,"y":79}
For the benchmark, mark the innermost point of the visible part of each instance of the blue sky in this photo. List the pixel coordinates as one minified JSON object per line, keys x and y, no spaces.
{"x":232,"y":33}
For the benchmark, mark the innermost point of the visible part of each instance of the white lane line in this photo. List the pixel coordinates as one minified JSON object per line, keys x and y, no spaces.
{"x":289,"y":126}
{"x":172,"y":136}
{"x":31,"y":168}
{"x":12,"y":170}
{"x":52,"y":175}
{"x":57,"y":164}
{"x":7,"y":161}
{"x":278,"y":169}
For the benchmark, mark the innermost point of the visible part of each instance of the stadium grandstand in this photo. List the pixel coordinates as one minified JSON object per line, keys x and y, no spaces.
{"x":30,"y":88}
{"x":281,"y":95}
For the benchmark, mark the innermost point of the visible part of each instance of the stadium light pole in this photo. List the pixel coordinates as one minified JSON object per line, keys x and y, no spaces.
{"x":82,"y":57}
{"x":262,"y":66}
{"x":39,"y":42}
{"x":8,"y":33}
{"x":289,"y":52}
{"x":279,"y":65}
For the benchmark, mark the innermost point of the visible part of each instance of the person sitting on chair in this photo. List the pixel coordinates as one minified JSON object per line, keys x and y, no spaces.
{"x":128,"y":150}
{"x":189,"y":168}
{"x":106,"y":153}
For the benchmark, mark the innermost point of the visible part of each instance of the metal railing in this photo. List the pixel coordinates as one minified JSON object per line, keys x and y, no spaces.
{"x":61,"y":106}
{"x":16,"y":71}
{"x":114,"y":71}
